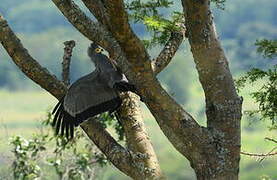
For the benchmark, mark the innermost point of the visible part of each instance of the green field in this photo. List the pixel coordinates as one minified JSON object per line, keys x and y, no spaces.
{"x":21,"y":113}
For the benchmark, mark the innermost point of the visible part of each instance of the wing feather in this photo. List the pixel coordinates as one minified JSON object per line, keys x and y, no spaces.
{"x":59,"y":121}
{"x":85,"y":98}
{"x":87,"y":92}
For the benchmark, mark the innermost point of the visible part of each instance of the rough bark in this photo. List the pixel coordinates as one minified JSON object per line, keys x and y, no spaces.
{"x":124,"y":159}
{"x":168,"y":52}
{"x":97,"y":8}
{"x":137,"y":139}
{"x":223,"y":106}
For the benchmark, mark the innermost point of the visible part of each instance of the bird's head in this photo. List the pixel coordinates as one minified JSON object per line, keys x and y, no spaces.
{"x":94,"y":52}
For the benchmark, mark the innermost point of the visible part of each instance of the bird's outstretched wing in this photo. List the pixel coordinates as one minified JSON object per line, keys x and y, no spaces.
{"x":85,"y":98}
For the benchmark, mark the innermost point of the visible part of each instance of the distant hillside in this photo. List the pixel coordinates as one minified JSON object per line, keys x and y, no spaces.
{"x":43,"y":29}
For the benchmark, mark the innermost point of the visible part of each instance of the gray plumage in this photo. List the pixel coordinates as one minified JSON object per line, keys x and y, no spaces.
{"x":92,"y":94}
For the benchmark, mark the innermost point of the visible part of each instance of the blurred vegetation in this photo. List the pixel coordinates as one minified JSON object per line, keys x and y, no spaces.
{"x":72,"y":160}
{"x":266,"y":96}
{"x":43,"y":29}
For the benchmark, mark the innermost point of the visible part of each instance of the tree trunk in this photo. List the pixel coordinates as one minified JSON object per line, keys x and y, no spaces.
{"x":205,"y":174}
{"x":223,"y":105}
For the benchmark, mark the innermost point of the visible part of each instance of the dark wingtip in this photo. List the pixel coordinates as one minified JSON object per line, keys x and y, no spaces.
{"x":63,"y":122}
{"x":57,"y":106}
{"x":110,"y":106}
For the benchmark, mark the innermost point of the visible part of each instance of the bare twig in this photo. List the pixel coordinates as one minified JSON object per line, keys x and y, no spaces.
{"x":263,"y":156}
{"x":69,"y":45}
{"x":258,"y":155}
{"x":168,"y":52}
{"x":270,"y":153}
{"x":270,"y":139}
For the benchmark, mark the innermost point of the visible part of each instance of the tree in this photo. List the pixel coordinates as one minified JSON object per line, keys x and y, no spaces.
{"x":214,"y":150}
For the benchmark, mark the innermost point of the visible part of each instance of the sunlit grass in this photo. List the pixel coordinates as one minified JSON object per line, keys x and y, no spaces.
{"x":23,"y":108}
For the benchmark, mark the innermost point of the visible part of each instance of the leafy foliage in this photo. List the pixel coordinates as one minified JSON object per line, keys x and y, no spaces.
{"x":219,"y":3}
{"x":70,"y":160}
{"x":266,"y":97}
{"x":110,"y":120}
{"x":157,"y":24}
{"x":26,"y":152}
{"x":267,"y":47}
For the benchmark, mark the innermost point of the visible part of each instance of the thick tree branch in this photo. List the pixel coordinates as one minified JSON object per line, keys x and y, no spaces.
{"x":181,"y":129}
{"x":97,"y":8}
{"x":168,"y":52}
{"x":92,"y":30}
{"x":123,"y":159}
{"x":137,"y":139}
{"x":176,"y":123}
{"x":121,"y":30}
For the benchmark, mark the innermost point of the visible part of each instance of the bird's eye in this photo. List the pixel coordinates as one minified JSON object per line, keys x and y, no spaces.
{"x":98,"y":50}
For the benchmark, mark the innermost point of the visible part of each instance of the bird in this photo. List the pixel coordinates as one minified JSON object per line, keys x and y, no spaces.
{"x":92,"y":94}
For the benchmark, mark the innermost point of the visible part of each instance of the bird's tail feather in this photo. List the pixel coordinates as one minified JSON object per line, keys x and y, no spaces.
{"x":63,"y":122}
